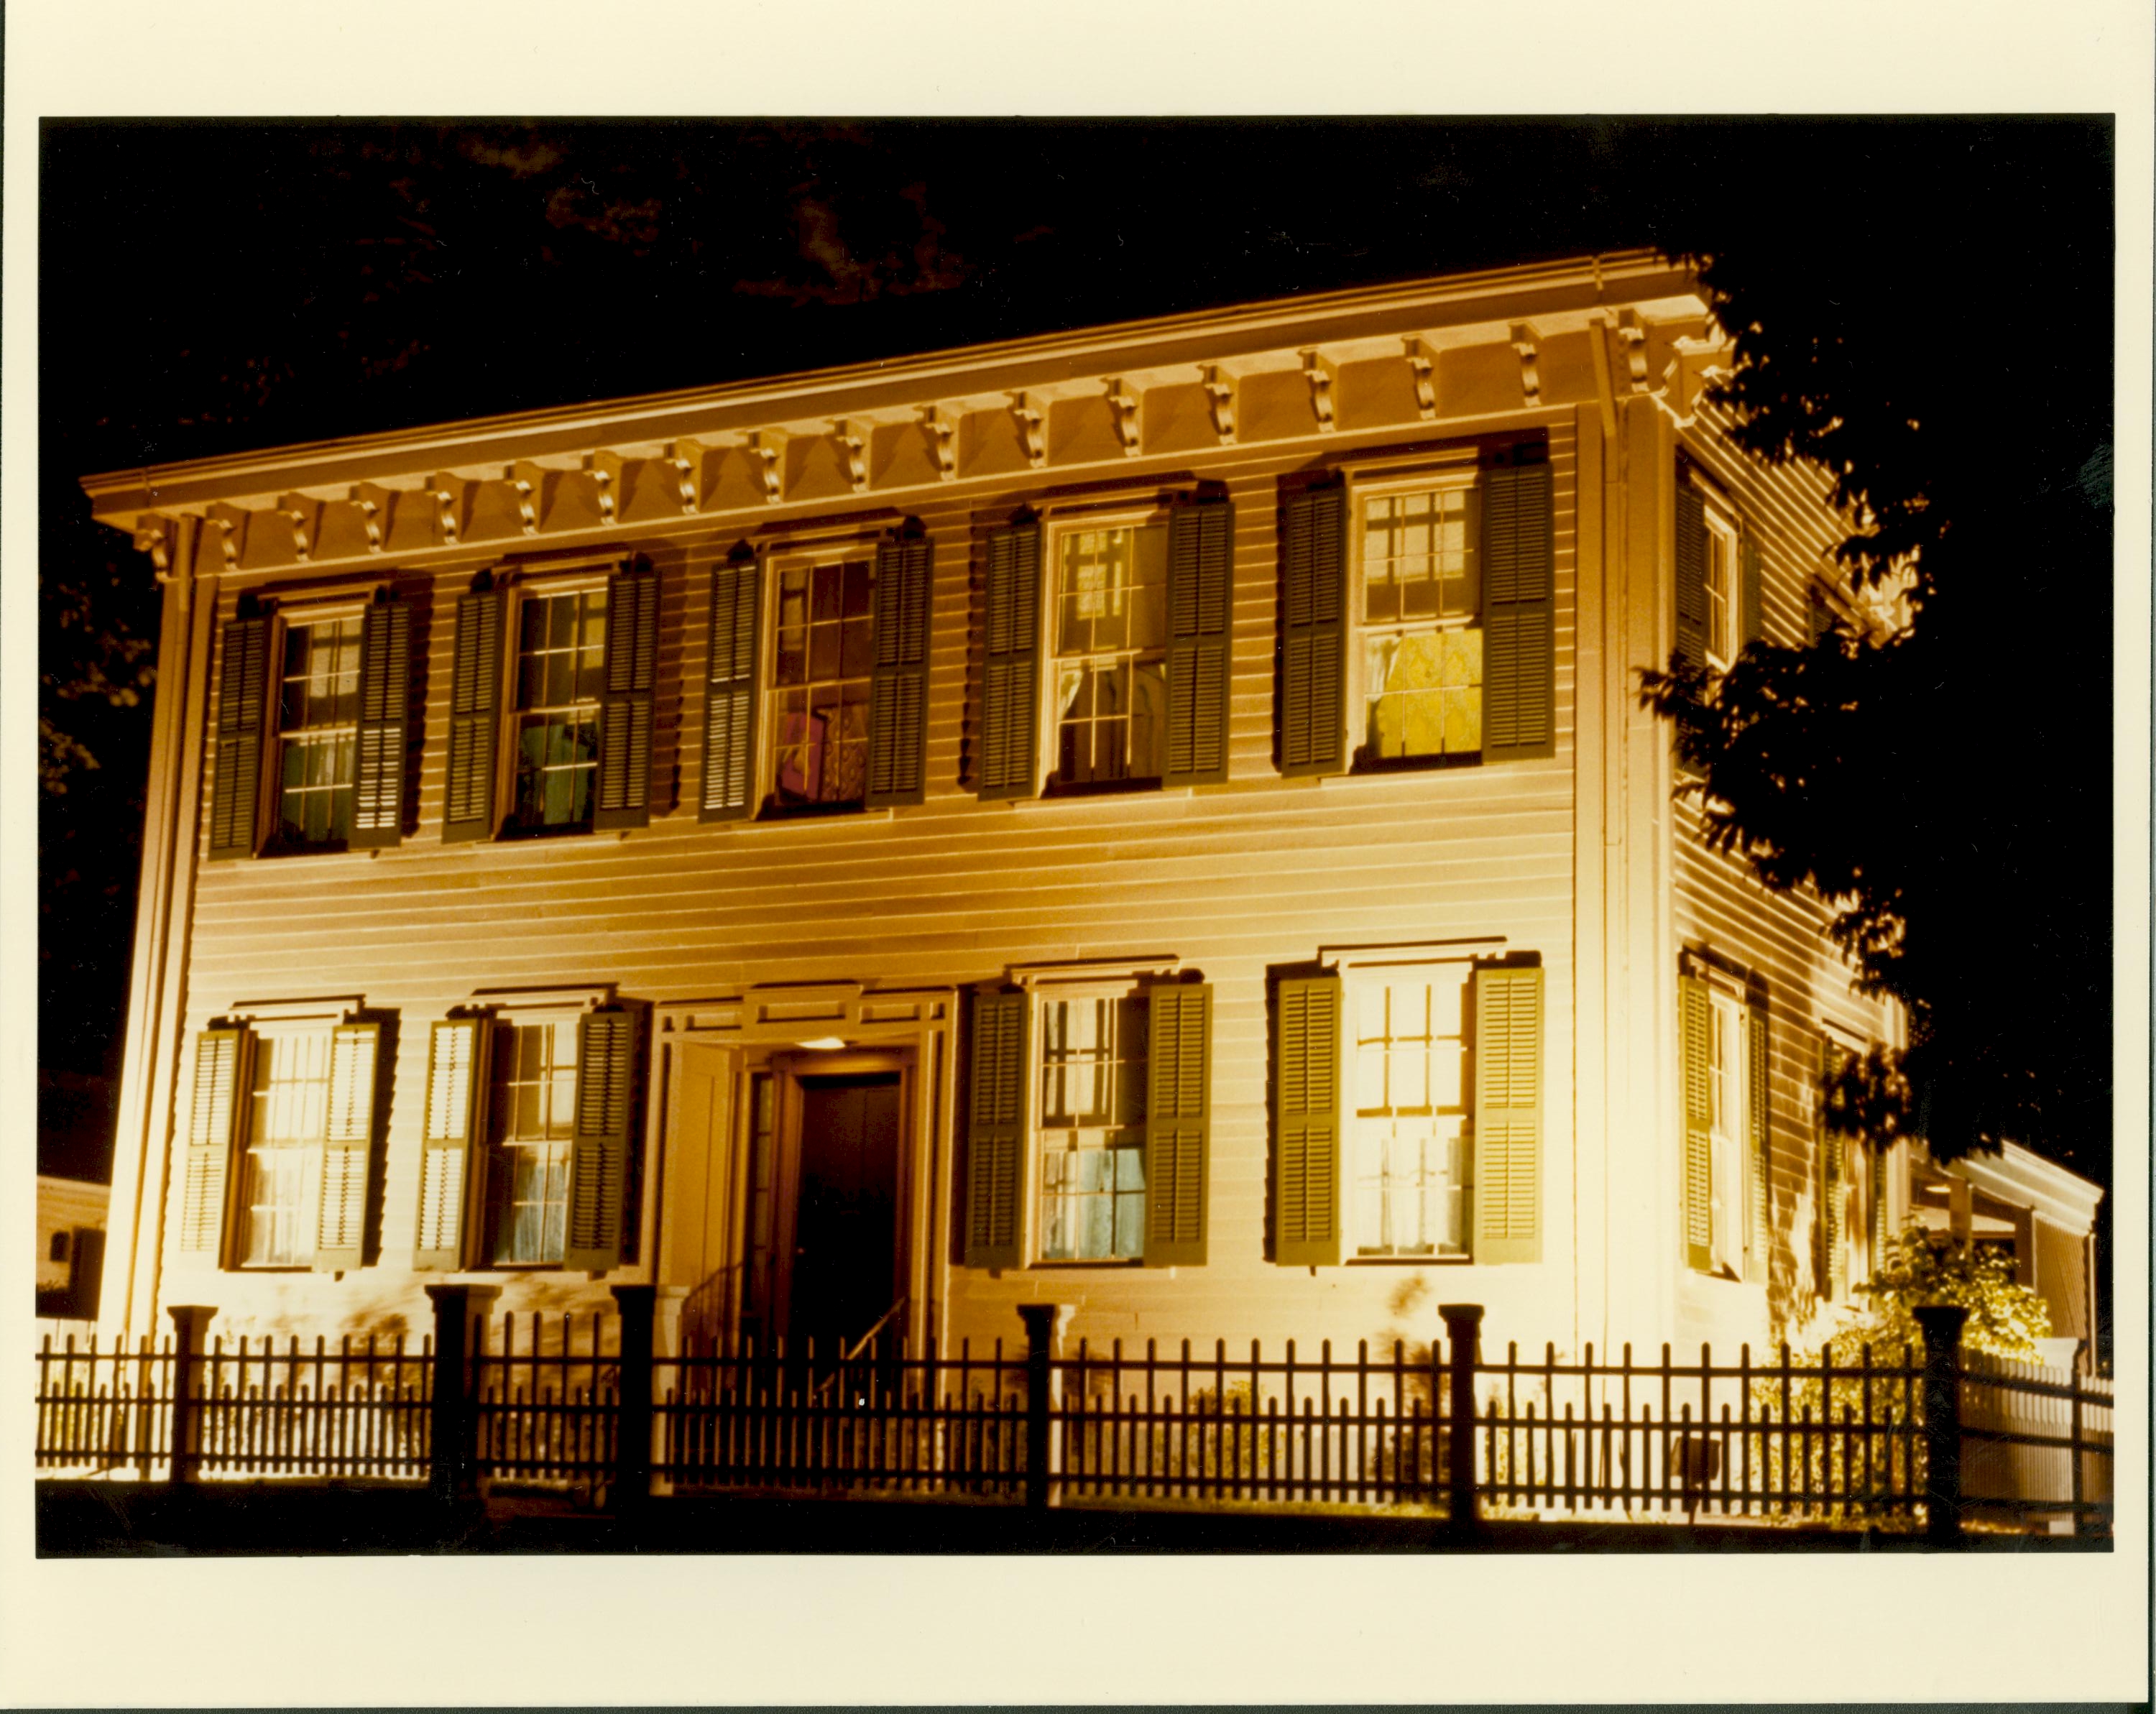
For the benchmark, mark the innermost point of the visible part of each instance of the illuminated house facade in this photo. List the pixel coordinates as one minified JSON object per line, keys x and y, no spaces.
{"x":1156,"y":818}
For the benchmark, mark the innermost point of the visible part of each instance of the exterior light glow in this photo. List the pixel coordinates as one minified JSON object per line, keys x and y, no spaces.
{"x":823,"y":1044}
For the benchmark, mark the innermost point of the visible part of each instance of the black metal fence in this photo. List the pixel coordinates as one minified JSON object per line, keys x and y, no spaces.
{"x":1893,"y":1440}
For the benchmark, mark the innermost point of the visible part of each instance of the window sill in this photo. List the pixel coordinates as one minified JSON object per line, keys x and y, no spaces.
{"x":328,"y":849}
{"x":1079,"y":1265}
{"x":1097,"y":789}
{"x":1409,"y":1261}
{"x":774,"y":813}
{"x":509,"y":832}
{"x":1365,"y":766}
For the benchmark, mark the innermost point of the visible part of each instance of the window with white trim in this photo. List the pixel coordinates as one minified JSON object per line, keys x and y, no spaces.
{"x":530,"y":1133}
{"x":1418,"y":654}
{"x":1728,"y":1080}
{"x":1090,"y":1131}
{"x":560,"y":678}
{"x":1411,"y":1115}
{"x":1109,"y":583}
{"x":1725,"y":622}
{"x":822,"y":657}
{"x":287,"y":1124}
{"x":317,"y":730}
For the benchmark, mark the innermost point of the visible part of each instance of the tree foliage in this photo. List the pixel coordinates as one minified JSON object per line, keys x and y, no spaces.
{"x":2006,"y":1317}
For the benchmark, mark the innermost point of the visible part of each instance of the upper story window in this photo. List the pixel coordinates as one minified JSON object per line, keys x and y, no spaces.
{"x":1420,"y":611}
{"x":1718,"y":592}
{"x":560,"y":676}
{"x":1110,"y":681}
{"x":317,"y":732}
{"x":1725,"y":637}
{"x":823,"y":658}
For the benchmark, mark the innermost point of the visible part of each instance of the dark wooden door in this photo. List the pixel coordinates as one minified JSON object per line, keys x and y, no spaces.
{"x":845,"y":1231}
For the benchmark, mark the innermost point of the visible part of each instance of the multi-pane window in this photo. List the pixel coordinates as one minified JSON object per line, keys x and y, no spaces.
{"x":286,"y":1119}
{"x":1421,"y":636}
{"x":757,"y":1307}
{"x":1092,"y":1127}
{"x":1725,"y":1095}
{"x":561,"y":672}
{"x":1724,"y":617}
{"x":825,"y":643}
{"x":1111,"y":616}
{"x":317,"y":724}
{"x":1410,"y":1112}
{"x":532,"y":1127}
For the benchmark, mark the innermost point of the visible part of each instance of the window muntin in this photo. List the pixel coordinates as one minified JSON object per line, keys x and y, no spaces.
{"x":317,"y":731}
{"x":287,"y":1120}
{"x":823,"y":647}
{"x":1727,"y":1095}
{"x":1411,"y":1112}
{"x":561,"y":673}
{"x":1110,"y":605}
{"x":1419,"y":610}
{"x":532,"y":1129}
{"x":1091,"y":1130}
{"x":1724,"y":616}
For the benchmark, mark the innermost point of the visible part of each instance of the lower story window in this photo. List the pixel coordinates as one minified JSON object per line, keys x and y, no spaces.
{"x":1410,"y":1114}
{"x":532,"y":1130}
{"x":1725,"y":1124}
{"x":287,"y":1119}
{"x":1092,"y":1128}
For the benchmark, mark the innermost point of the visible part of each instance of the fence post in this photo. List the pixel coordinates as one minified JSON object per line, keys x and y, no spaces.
{"x":1942,"y":1325}
{"x":453,"y":1467}
{"x":1463,"y":1338}
{"x":190,"y":1322}
{"x":631,"y":1446}
{"x":1044,"y":1322}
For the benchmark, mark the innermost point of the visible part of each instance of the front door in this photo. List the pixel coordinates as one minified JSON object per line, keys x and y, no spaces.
{"x":844,"y":1271}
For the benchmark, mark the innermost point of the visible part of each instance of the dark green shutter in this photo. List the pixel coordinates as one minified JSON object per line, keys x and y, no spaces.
{"x":1692,"y":550}
{"x":1010,"y":676}
{"x":385,"y":679}
{"x":455,"y":1076}
{"x":1508,"y":1115}
{"x":1306,"y":1122}
{"x":996,"y":1132}
{"x":632,"y":666}
{"x":1178,"y":1121}
{"x":1313,"y":631}
{"x":1759,"y":1134}
{"x":1201,"y":537}
{"x":898,"y":685}
{"x":347,"y":1143}
{"x":242,"y":695}
{"x":598,"y":1156}
{"x":1519,"y":615}
{"x":474,"y":717}
{"x":1694,"y":1023}
{"x":1751,"y":595}
{"x":219,"y":1057}
{"x":730,"y":690}
{"x":1880,"y":1232}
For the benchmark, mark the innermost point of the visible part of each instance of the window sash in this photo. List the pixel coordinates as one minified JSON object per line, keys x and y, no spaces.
{"x":317,"y":729}
{"x":532,"y":1109}
{"x":1090,"y":1131}
{"x":287,"y":1126}
{"x":1417,"y":606}
{"x":1110,"y":607}
{"x":560,"y":677}
{"x":821,"y":679}
{"x":1411,"y":1115}
{"x":1724,"y":604}
{"x":1727,"y":1068}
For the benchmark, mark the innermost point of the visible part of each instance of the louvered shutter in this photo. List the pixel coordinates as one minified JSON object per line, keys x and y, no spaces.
{"x":996,"y":1132}
{"x":456,"y":1077}
{"x":474,"y":717}
{"x":598,"y":1156}
{"x":1508,"y":1115}
{"x":632,"y":666}
{"x":729,"y":691}
{"x":242,"y":697}
{"x":341,"y":1235}
{"x":1758,"y":1132}
{"x":1752,"y":593}
{"x":1200,"y":581}
{"x":1694,"y":1022}
{"x":1010,"y":674}
{"x":219,"y":1055}
{"x":1178,"y":1121}
{"x":898,"y":685}
{"x":385,"y":678}
{"x":1519,"y":615}
{"x":1313,"y":631}
{"x":1692,"y":550}
{"x":1306,"y":1122}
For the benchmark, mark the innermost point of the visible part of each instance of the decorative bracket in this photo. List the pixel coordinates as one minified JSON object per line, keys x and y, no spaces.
{"x":766,"y":449}
{"x":448,"y":493}
{"x":1320,"y":372}
{"x":1220,"y":396}
{"x":153,"y":535}
{"x":373,"y":503}
{"x":942,"y":435}
{"x":1524,"y":342}
{"x":687,"y":458}
{"x":300,"y":512}
{"x":605,"y":469}
{"x":530,"y":482}
{"x":853,"y":438}
{"x":1634,"y":338}
{"x":1031,"y":427}
{"x":1123,"y":405}
{"x":1422,"y":362}
{"x":232,"y":521}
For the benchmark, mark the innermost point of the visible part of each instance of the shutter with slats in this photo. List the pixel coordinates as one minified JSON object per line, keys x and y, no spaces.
{"x":1519,"y":615}
{"x":385,"y":678}
{"x":898,"y":685}
{"x":730,"y":690}
{"x":995,"y":1132}
{"x":1752,"y":593}
{"x":1200,"y":582}
{"x":632,"y":667}
{"x":219,"y":1056}
{"x":1508,"y":1115}
{"x":456,"y":1077}
{"x":1695,"y":1021}
{"x":340,"y":1235}
{"x":242,"y":697}
{"x":474,"y":717}
{"x":1313,"y":631}
{"x":1010,"y":673}
{"x":1178,"y":1121}
{"x":1692,"y":549}
{"x":598,"y":1156}
{"x":1306,"y":1122}
{"x":1758,"y":1132}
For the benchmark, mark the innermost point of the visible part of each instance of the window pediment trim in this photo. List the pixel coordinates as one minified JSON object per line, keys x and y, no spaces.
{"x":333,"y":1008}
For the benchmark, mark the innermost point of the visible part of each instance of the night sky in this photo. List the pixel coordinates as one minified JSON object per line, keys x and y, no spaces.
{"x":213,"y":287}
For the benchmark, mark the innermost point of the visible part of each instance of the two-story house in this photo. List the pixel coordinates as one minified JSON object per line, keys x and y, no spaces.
{"x":1158,"y":819}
